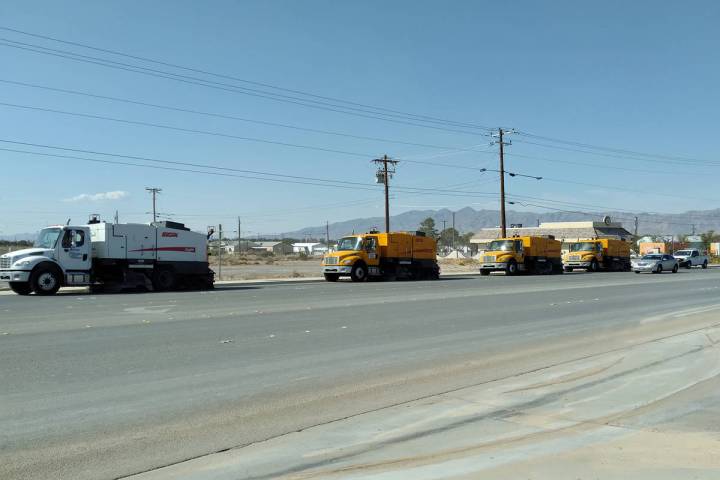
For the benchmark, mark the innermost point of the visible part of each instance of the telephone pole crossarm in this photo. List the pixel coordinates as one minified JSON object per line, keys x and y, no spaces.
{"x":386,"y":169}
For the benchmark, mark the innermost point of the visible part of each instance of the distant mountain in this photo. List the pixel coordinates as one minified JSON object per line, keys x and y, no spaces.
{"x":471,"y":220}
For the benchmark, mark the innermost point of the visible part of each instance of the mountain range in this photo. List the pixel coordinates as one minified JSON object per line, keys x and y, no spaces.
{"x":471,"y":220}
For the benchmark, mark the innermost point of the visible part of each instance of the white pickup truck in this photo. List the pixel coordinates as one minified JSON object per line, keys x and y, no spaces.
{"x":691,"y":257}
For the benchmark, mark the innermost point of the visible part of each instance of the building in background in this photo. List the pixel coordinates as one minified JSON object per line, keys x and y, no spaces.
{"x":276,"y":248}
{"x":564,"y":231}
{"x":651,"y":247}
{"x":309,"y":248}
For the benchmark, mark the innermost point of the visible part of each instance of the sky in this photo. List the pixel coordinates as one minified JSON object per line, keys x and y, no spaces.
{"x":638,"y":81}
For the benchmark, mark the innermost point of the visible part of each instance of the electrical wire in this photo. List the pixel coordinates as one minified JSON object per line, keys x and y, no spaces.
{"x":232,"y":117}
{"x":216,"y":85}
{"x":250,"y":82}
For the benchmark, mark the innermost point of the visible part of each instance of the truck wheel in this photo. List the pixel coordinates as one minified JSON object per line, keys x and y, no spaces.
{"x":21,"y":288}
{"x":593,"y":266}
{"x":511,"y":268}
{"x":45,"y":281}
{"x":484,"y":272}
{"x":358,"y":273}
{"x":704,"y":265}
{"x":163,"y":279}
{"x":688,"y":265}
{"x":568,"y":269}
{"x":331,"y":277}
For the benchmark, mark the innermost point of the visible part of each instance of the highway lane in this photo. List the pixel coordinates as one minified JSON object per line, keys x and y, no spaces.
{"x":101,"y":386}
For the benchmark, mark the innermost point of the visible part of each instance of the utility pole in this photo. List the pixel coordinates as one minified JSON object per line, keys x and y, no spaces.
{"x":636,"y":227}
{"x":220,"y":251}
{"x":239,"y":237}
{"x":453,"y":231}
{"x":444,"y":222}
{"x":116,"y":217}
{"x":383,"y":175}
{"x":327,"y":234}
{"x":693,"y":229}
{"x":503,"y":223}
{"x":154,"y":191}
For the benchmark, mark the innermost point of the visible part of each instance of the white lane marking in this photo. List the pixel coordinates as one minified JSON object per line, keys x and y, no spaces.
{"x":272,"y":335}
{"x":343,"y":326}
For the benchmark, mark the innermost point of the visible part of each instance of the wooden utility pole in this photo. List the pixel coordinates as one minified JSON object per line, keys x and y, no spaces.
{"x":384,"y":173}
{"x":503,"y":226}
{"x":154,"y":191}
{"x":239,"y":238}
{"x":327,"y":234}
{"x":220,"y":251}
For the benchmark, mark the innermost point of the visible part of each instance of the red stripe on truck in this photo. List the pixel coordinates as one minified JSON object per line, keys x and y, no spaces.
{"x":166,"y":249}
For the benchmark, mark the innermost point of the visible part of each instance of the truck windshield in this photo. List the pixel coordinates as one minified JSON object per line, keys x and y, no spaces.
{"x":47,"y":238}
{"x":582,"y":247}
{"x":501,"y":246}
{"x":349,"y":243}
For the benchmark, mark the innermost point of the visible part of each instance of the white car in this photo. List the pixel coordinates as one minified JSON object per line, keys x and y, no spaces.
{"x":655,"y":263}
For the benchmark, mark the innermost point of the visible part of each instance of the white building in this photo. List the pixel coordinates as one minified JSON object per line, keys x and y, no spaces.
{"x":309,"y":248}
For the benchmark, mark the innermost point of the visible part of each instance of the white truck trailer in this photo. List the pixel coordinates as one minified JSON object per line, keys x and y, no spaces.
{"x":161,"y":255}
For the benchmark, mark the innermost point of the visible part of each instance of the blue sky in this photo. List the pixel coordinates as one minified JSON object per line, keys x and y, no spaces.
{"x":639,"y":76}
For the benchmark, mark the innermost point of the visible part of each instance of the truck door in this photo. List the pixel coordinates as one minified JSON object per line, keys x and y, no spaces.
{"x":373,"y":254}
{"x":74,"y":249}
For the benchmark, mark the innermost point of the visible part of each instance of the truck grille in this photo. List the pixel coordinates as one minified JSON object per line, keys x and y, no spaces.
{"x":5,"y":262}
{"x":331,"y":260}
{"x":574,"y":257}
{"x":489,"y":258}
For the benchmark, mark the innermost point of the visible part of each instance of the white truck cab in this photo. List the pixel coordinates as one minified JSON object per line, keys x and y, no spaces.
{"x":61,"y":255}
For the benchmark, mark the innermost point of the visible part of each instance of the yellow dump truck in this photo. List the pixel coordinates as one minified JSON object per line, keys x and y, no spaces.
{"x":387,"y":256}
{"x":598,"y":254}
{"x":538,"y":255}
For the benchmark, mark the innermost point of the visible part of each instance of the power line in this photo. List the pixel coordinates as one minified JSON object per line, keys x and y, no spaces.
{"x":609,"y":149}
{"x":659,"y":159}
{"x":250,"y":82}
{"x":216,"y":85}
{"x":181,"y":129}
{"x":291,"y":179}
{"x":232,"y":117}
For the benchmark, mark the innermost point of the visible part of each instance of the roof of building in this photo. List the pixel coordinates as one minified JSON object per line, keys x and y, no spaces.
{"x":306,"y":244}
{"x":563,"y":231}
{"x":266,"y":244}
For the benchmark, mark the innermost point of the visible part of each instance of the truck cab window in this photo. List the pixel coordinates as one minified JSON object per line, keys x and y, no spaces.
{"x":78,"y":238}
{"x":371,"y":244}
{"x":67,"y":239}
{"x":518,"y":246}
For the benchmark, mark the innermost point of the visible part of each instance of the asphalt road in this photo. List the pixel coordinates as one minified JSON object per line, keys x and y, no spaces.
{"x":105,"y":386}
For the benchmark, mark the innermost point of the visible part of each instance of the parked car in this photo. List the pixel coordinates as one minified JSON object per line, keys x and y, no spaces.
{"x":691,"y":258}
{"x":655,"y":263}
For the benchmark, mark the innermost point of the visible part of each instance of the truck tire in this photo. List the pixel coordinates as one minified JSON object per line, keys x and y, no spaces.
{"x":704,"y":265}
{"x":163,"y":279}
{"x":594,"y":267}
{"x":512,"y":268}
{"x":21,"y":288}
{"x":689,"y":264}
{"x":45,"y":280}
{"x":568,"y":269}
{"x":358,"y":272}
{"x":331,"y":277}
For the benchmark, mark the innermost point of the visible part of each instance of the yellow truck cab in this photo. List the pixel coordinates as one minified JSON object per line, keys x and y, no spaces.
{"x":512,"y":255}
{"x":387,"y":256}
{"x":597,"y":254}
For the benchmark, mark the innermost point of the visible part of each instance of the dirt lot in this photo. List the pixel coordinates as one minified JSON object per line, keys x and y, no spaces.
{"x":251,"y":268}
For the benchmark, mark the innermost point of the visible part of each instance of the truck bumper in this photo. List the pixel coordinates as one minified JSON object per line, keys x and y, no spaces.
{"x":577,"y":264}
{"x":493,"y":266}
{"x":14,"y":276}
{"x":340,"y":270}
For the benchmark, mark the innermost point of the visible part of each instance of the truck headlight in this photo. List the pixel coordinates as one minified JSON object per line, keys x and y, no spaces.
{"x":347,"y":262}
{"x":23,"y":263}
